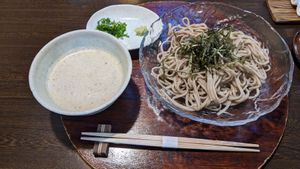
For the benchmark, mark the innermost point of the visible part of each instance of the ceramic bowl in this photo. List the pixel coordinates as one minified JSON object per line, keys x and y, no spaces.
{"x":67,"y":43}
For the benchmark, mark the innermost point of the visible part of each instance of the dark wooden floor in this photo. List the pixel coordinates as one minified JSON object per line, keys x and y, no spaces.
{"x":32,"y":137}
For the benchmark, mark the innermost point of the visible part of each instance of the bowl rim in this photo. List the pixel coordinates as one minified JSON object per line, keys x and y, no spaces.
{"x":218,"y":122}
{"x":40,"y":54}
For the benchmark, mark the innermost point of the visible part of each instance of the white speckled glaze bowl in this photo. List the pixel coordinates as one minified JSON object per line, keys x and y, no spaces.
{"x":67,"y":43}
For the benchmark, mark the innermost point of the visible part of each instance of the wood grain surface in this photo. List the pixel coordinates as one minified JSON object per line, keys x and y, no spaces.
{"x":31,"y":136}
{"x":282,"y":11}
{"x":135,"y":117}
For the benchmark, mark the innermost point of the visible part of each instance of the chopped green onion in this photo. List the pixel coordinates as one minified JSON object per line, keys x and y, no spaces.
{"x":115,"y":28}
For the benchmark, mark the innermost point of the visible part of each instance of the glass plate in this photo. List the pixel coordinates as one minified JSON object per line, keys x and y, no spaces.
{"x":214,"y":14}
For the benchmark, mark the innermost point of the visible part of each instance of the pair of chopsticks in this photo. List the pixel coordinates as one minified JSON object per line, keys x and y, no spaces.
{"x":170,"y":142}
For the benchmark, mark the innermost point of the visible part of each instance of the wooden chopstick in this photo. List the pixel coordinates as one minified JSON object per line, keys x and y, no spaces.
{"x":180,"y":139}
{"x":156,"y":143}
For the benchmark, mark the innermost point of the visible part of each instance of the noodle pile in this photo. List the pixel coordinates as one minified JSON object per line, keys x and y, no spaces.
{"x":215,"y":88}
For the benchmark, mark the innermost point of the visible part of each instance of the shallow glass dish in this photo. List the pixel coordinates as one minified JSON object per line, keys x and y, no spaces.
{"x":214,"y":14}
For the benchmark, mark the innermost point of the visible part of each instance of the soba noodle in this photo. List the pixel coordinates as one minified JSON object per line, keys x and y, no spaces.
{"x":215,"y":88}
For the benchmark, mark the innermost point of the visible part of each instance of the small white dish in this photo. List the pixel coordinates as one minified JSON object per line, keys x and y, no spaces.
{"x":134,"y":16}
{"x":58,"y":48}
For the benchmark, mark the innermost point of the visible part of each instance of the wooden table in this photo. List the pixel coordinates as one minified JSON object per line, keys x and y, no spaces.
{"x":31,"y":136}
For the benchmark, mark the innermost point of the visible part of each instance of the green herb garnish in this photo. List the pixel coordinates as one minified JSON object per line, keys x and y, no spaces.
{"x":112,"y":27}
{"x":210,"y":49}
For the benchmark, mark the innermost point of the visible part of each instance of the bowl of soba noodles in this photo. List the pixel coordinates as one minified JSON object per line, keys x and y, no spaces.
{"x":216,"y":64}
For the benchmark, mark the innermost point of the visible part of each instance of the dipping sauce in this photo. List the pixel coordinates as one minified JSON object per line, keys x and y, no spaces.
{"x":84,"y":79}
